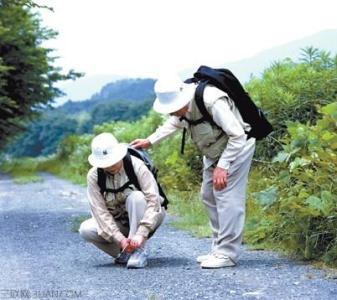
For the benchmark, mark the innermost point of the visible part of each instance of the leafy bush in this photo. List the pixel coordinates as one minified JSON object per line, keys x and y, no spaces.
{"x":299,"y":206}
{"x":291,"y":91}
{"x":71,"y":159}
{"x":23,"y":170}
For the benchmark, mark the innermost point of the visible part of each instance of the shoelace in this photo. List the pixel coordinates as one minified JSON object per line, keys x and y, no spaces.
{"x":221,"y":256}
{"x":119,"y":255}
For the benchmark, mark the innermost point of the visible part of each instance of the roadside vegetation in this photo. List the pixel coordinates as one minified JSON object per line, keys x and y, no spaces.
{"x":22,"y":170}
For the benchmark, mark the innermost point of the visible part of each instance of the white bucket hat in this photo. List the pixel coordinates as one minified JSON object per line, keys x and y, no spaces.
{"x":106,"y":151}
{"x":172,"y":94}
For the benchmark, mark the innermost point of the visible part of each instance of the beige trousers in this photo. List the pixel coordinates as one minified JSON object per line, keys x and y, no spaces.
{"x":226,"y":208}
{"x":135,"y":206}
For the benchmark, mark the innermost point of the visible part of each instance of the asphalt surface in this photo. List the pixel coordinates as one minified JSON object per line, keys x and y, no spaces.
{"x":41,"y":258}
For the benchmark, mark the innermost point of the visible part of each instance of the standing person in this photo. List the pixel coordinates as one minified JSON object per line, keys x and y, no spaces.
{"x":123,"y":218}
{"x":227,"y":155}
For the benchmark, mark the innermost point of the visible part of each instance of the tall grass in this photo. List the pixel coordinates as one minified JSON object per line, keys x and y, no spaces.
{"x":191,"y":213}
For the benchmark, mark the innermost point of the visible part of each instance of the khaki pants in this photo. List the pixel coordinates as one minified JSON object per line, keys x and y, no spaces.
{"x":226,"y":208}
{"x":135,"y":206}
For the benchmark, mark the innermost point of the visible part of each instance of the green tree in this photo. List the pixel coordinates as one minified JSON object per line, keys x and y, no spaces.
{"x":119,"y":110}
{"x":309,"y":54}
{"x":42,"y":136}
{"x":27,"y":73}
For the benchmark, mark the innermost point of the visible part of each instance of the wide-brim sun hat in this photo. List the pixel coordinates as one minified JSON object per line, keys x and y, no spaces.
{"x":106,"y":151}
{"x":172,"y":94}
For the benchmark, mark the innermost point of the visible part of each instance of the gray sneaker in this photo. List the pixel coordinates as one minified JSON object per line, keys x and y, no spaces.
{"x":122,"y":258}
{"x":137,"y":260}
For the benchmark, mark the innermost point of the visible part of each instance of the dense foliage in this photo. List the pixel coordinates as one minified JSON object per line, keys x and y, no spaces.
{"x":119,"y":111}
{"x":290,"y":91}
{"x":27,"y":73}
{"x":298,"y":209}
{"x":42,"y":136}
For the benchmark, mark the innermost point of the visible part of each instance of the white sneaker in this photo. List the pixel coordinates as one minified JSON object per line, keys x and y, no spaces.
{"x":217,"y":261}
{"x":137,"y":260}
{"x":202,"y":258}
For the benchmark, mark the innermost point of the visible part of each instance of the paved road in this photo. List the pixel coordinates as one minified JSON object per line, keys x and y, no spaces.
{"x":41,"y":258}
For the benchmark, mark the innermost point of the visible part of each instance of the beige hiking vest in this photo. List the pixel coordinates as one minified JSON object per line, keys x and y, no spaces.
{"x":209,"y":139}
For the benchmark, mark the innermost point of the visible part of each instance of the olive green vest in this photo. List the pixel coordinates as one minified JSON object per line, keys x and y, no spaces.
{"x":210,"y":140}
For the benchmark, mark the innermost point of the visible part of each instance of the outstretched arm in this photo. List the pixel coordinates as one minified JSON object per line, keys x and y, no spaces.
{"x":170,"y":126}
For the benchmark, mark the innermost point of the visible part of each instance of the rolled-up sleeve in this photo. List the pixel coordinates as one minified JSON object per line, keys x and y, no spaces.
{"x":107,"y":227}
{"x":224,"y":117}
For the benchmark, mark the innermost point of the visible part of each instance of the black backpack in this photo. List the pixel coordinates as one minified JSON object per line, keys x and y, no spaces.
{"x":128,"y":167}
{"x":224,"y":80}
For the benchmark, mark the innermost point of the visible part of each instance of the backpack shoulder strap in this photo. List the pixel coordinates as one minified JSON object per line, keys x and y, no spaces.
{"x":130,"y":172}
{"x":199,"y":100}
{"x":121,"y":189}
{"x":101,"y":180}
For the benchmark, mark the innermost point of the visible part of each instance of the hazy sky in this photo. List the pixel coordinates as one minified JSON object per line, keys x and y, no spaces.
{"x":145,"y":37}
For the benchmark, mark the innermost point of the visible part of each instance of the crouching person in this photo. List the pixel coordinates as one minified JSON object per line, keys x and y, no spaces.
{"x":123,"y":216}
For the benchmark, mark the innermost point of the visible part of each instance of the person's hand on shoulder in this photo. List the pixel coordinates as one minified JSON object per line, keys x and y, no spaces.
{"x":140,"y":144}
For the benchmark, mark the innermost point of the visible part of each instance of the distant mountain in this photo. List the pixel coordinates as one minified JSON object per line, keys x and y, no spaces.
{"x":126,"y":89}
{"x":129,"y":90}
{"x":84,"y":87}
{"x":126,"y":99}
{"x":243,"y":69}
